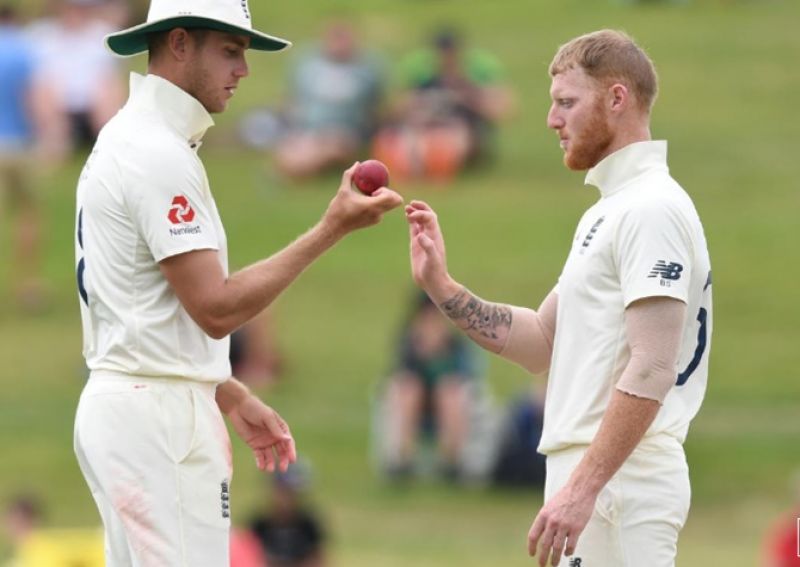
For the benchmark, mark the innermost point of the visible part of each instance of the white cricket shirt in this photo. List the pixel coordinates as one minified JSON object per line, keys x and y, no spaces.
{"x":643,"y":238}
{"x":143,"y":196}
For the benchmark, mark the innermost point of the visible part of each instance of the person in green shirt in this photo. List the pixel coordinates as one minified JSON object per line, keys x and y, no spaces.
{"x":454,"y":97}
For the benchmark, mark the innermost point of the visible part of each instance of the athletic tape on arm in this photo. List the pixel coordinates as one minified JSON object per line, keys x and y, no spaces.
{"x":530,"y":338}
{"x":654,"y":326}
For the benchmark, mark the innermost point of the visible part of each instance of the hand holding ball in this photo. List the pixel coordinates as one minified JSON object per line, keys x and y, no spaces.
{"x":370,"y":175}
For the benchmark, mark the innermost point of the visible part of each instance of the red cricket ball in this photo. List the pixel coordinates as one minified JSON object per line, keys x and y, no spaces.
{"x":370,"y":175}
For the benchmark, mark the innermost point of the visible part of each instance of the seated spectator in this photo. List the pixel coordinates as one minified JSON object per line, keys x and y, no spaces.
{"x":87,"y":83}
{"x":289,"y":530}
{"x":334,"y":99}
{"x":518,"y":463}
{"x":454,"y":98}
{"x":434,"y":390}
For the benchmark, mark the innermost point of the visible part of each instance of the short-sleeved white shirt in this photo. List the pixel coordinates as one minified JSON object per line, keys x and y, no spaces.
{"x":643,"y":238}
{"x":143,"y":196}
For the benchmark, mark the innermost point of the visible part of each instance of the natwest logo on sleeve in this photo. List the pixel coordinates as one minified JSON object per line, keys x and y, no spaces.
{"x":180,"y":211}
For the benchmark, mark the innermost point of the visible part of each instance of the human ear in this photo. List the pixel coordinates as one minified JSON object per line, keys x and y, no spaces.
{"x":178,"y":40}
{"x":619,"y":96}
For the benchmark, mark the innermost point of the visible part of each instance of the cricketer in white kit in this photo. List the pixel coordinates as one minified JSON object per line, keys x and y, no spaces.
{"x":624,"y":335}
{"x":157,"y":302}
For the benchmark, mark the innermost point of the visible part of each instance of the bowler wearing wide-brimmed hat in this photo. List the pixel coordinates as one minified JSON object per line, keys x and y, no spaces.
{"x":157,"y":302}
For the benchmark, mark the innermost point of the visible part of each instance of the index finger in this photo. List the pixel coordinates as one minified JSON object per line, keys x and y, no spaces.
{"x":417,"y":205}
{"x":422,"y":217}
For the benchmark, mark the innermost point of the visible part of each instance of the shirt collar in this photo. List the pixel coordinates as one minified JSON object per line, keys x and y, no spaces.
{"x":616,"y":170}
{"x":176,"y":107}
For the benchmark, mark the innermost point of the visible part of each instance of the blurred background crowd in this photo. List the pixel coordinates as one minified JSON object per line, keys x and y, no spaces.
{"x":434,"y":108}
{"x":60,"y":86}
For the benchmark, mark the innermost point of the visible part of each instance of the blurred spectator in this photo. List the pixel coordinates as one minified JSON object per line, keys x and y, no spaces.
{"x":434,"y":390}
{"x":518,"y":463}
{"x":116,"y":13}
{"x":335,"y":94}
{"x":22,"y":516}
{"x":23,"y":147}
{"x":782,"y":541}
{"x":289,"y":530}
{"x":446,"y":119}
{"x":34,"y":546}
{"x":72,"y":60}
{"x":255,"y":358}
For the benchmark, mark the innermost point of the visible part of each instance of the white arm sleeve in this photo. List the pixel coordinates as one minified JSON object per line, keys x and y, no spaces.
{"x":654,"y":327}
{"x":530,"y":338}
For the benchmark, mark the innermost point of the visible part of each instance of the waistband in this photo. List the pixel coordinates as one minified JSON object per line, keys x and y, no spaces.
{"x":106,"y":376}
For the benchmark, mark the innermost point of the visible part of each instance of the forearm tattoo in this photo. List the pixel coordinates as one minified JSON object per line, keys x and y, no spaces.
{"x":472,"y":313}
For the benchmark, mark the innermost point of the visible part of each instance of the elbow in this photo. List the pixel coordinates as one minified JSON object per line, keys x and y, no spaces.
{"x":651,"y":379}
{"x":533,"y":360}
{"x":215,"y":327}
{"x":214,"y":317}
{"x":217,"y":332}
{"x":541,"y":368}
{"x":540,"y":364}
{"x":528,"y":345}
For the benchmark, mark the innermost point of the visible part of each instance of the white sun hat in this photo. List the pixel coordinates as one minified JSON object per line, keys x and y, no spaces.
{"x":231,"y":16}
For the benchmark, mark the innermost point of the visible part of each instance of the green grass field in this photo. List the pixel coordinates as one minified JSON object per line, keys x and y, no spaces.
{"x":729,"y":87}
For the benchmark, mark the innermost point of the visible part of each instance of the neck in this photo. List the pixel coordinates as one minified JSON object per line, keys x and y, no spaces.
{"x":167,"y":72}
{"x":628,"y":135}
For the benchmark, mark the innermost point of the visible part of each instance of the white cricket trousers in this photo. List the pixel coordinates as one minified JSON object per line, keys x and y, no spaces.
{"x":638,"y":514}
{"x":157,"y":457}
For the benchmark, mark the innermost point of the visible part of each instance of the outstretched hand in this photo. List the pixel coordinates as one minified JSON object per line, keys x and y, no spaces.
{"x":265,"y":432}
{"x":428,"y":257}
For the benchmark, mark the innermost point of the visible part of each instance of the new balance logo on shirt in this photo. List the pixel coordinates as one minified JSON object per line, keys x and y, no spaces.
{"x":671,"y":271}
{"x":575,"y":562}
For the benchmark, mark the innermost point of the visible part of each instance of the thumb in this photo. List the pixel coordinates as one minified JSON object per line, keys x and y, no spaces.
{"x":347,"y":175}
{"x":426,"y":243}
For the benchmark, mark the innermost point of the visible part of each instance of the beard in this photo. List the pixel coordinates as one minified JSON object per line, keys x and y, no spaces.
{"x":199,"y":86}
{"x":591,"y":145}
